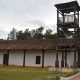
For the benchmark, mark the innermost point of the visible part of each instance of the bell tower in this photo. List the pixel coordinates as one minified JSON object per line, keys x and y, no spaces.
{"x":67,"y":26}
{"x":68,"y":20}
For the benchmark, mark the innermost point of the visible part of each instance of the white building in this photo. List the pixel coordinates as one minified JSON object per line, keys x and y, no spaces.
{"x":32,"y":53}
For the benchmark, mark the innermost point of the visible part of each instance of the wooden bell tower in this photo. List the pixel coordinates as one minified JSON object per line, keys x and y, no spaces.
{"x":67,"y":27}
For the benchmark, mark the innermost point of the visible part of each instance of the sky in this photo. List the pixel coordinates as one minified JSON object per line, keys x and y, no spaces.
{"x":23,"y":14}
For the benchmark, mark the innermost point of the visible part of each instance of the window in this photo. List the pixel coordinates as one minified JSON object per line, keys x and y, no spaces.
{"x":38,"y":59}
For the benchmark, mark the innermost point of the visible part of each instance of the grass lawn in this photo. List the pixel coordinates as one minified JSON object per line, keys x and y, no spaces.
{"x":20,"y":73}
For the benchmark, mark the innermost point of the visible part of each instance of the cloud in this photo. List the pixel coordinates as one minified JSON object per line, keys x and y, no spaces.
{"x":3,"y":34}
{"x":22,"y":14}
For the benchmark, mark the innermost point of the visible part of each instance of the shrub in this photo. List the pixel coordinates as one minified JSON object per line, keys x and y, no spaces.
{"x":71,"y":73}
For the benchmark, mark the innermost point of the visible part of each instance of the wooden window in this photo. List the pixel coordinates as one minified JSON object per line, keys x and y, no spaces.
{"x":38,"y":59}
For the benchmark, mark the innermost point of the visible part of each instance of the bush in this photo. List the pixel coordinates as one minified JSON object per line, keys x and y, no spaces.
{"x":71,"y":73}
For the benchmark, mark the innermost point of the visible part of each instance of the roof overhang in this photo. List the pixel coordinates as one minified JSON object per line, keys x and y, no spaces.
{"x":68,"y":7}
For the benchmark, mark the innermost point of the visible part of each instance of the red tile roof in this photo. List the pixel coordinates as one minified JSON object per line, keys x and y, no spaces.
{"x":38,"y":44}
{"x":28,"y":44}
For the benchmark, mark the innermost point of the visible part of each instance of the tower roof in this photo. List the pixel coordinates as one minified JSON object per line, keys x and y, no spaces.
{"x":68,"y":7}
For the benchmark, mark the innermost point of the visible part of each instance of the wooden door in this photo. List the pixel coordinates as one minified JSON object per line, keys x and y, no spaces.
{"x":5,"y":59}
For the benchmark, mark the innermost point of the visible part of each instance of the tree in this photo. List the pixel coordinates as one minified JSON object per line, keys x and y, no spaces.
{"x":37,"y":34}
{"x":54,"y":35}
{"x":12,"y":34}
{"x":19,"y":35}
{"x":27,"y":34}
{"x":23,"y":35}
{"x":48,"y":34}
{"x":33,"y":34}
{"x":39,"y":30}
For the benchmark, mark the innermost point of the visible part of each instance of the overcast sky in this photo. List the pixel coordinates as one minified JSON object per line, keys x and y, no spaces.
{"x":22,"y":14}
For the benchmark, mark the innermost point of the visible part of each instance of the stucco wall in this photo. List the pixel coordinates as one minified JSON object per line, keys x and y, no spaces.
{"x":70,"y":58}
{"x":30,"y":58}
{"x":1,"y":57}
{"x":16,"y":58}
{"x":49,"y":58}
{"x":60,"y":58}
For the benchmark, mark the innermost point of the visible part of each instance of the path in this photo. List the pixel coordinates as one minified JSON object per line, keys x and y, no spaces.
{"x":76,"y":78}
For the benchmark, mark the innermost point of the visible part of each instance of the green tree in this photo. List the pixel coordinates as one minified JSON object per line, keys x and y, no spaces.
{"x":48,"y":34}
{"x":12,"y":34}
{"x":23,"y":35}
{"x":38,"y":36}
{"x":19,"y":35}
{"x":33,"y":34}
{"x":27,"y":34}
{"x":38,"y":33}
{"x":54,"y":35}
{"x":39,"y":30}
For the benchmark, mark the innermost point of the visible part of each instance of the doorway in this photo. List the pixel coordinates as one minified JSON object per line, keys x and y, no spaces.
{"x":5,"y":59}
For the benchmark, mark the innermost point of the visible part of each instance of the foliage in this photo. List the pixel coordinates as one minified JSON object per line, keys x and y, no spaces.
{"x":48,"y":34}
{"x":23,"y":35}
{"x":33,"y":34}
{"x":71,"y":73}
{"x":27,"y":34}
{"x":19,"y":35}
{"x":37,"y":34}
{"x":12,"y":34}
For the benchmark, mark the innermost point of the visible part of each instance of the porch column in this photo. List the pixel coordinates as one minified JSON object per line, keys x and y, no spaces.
{"x":66,"y":59}
{"x":24,"y":58}
{"x":78,"y":63}
{"x":62,"y":61}
{"x":43,"y":58}
{"x":8,"y":57}
{"x":74,"y":62}
{"x":57,"y":62}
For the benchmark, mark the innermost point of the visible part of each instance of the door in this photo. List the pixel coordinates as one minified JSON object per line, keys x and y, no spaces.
{"x":5,"y":59}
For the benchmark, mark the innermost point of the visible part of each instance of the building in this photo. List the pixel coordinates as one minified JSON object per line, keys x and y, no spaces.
{"x":33,"y":53}
{"x":61,"y":52}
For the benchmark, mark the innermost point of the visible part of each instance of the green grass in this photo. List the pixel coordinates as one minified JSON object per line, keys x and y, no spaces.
{"x":20,"y":73}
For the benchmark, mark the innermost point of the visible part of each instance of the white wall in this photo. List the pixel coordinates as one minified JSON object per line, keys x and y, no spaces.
{"x":49,"y":58}
{"x":1,"y":57}
{"x":70,"y":58}
{"x":30,"y":58}
{"x":60,"y":58}
{"x":16,"y":58}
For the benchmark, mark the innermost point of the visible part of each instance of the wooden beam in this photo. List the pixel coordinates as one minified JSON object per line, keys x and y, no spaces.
{"x":57,"y":61}
{"x":24,"y":58}
{"x":8,"y":56}
{"x":74,"y":62}
{"x":43,"y":58}
{"x":62,"y":61}
{"x":78,"y":60}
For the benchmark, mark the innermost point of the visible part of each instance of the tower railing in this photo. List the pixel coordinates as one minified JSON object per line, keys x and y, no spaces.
{"x":68,"y":19}
{"x":65,"y":42}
